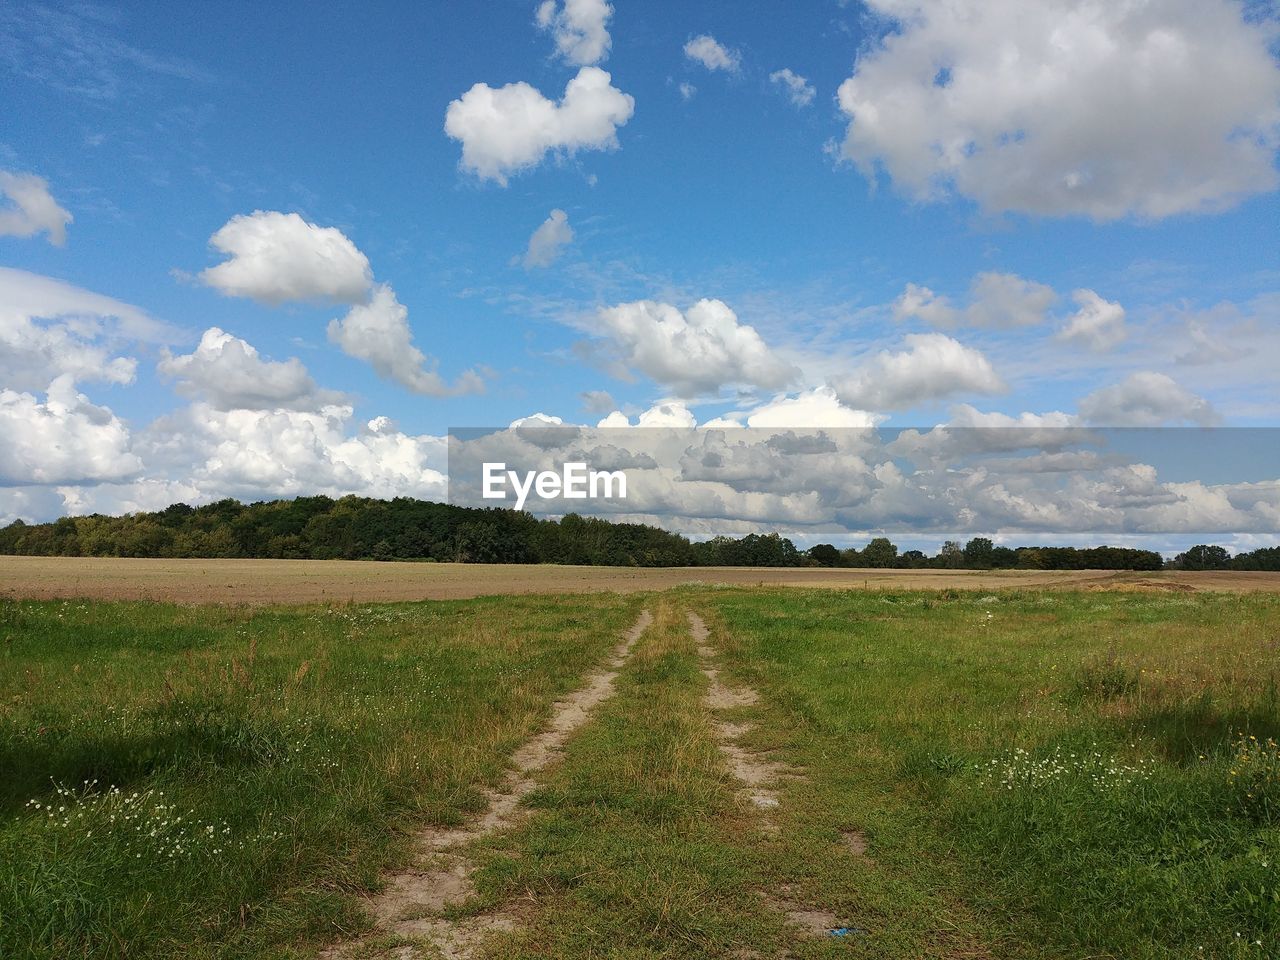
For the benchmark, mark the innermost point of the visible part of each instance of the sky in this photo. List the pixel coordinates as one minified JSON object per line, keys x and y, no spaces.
{"x":265,"y":250}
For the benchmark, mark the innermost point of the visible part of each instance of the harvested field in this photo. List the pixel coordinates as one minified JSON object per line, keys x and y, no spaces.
{"x":258,"y":582}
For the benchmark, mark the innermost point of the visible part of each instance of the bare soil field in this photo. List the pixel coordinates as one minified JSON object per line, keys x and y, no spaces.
{"x":257,"y":582}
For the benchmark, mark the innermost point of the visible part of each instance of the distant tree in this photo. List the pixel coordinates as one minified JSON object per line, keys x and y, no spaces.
{"x":979,"y":553}
{"x":1264,"y":558}
{"x":824,"y":554}
{"x":913,"y":559}
{"x":1203,"y":557}
{"x":880,"y":552}
{"x":1004,"y":558}
{"x":951,"y":555}
{"x":1030,"y":558}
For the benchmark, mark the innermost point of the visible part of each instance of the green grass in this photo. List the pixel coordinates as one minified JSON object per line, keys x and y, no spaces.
{"x":265,"y":765}
{"x":1039,"y":775}
{"x":1033,"y":775}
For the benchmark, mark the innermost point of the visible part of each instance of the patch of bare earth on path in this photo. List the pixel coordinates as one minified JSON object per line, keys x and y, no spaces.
{"x":856,"y":843}
{"x":410,"y":906}
{"x":758,"y":774}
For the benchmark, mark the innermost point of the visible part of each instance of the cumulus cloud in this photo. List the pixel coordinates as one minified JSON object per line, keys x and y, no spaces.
{"x":1098,"y":324}
{"x":580,"y":28}
{"x":31,"y":209}
{"x":668,"y":414}
{"x":63,"y":439}
{"x":1059,"y":108}
{"x":279,"y":257}
{"x":692,"y":352}
{"x":378,"y":333}
{"x":548,"y":241}
{"x":932,"y":366}
{"x":996,"y":300}
{"x":283,"y":453}
{"x":687,"y":91}
{"x":1146,"y":399}
{"x":33,"y":352}
{"x":800,"y":91}
{"x":708,"y":51}
{"x":508,"y":129}
{"x":230,"y":375}
{"x":819,"y":407}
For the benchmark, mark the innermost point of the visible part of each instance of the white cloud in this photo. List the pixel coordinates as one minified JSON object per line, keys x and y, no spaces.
{"x":997,"y":300}
{"x":33,"y":295}
{"x":920,"y":303}
{"x":1005,"y":300}
{"x":283,"y":453}
{"x":687,"y":91}
{"x":809,"y":409}
{"x":668,"y":414}
{"x":33,"y":353}
{"x":697,"y":351}
{"x":31,"y":208}
{"x":1146,"y":399}
{"x":713,"y":55}
{"x":819,"y":407}
{"x":800,"y":90}
{"x":49,"y":329}
{"x":548,"y":241}
{"x":1098,"y":324}
{"x":231,"y":375}
{"x":580,"y":28}
{"x":64,"y":439}
{"x":279,"y":257}
{"x":615,"y":419}
{"x":378,"y":332}
{"x":1055,"y":108}
{"x":512,"y":128}
{"x":932,"y":367}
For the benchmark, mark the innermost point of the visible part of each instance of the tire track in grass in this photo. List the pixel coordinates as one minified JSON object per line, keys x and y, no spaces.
{"x":759,"y":776}
{"x":410,"y":906}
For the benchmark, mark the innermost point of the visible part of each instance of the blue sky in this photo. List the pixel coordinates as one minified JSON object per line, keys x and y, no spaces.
{"x":910,"y":230}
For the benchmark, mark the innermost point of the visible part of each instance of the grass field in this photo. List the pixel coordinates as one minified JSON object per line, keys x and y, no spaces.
{"x":1023,"y":773}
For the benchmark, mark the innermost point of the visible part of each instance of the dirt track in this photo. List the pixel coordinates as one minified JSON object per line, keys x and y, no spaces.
{"x":317,"y":581}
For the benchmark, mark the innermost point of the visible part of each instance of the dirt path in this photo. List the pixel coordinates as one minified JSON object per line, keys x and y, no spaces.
{"x":410,"y":906}
{"x":759,"y":776}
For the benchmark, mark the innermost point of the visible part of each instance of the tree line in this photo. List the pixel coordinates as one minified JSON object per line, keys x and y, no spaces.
{"x":358,"y":528}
